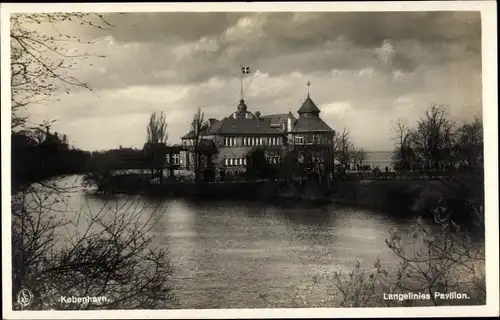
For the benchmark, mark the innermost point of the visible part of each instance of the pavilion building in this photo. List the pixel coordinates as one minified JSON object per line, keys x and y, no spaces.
{"x":236,"y":135}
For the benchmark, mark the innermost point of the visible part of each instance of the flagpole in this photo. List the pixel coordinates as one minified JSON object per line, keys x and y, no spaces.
{"x":241,"y":82}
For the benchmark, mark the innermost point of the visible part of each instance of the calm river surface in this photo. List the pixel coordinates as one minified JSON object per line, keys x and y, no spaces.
{"x":233,"y":254}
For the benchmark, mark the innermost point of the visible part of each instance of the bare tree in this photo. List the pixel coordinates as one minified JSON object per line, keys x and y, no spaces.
{"x":197,"y":127}
{"x":358,"y":156}
{"x":157,"y":128}
{"x":343,"y":147}
{"x":41,"y":62}
{"x":154,"y":148}
{"x":58,"y":253}
{"x":469,"y":144}
{"x":105,"y":253}
{"x":433,"y":137}
{"x":402,"y":131}
{"x":404,"y":152}
{"x":443,"y":258}
{"x":434,"y":261}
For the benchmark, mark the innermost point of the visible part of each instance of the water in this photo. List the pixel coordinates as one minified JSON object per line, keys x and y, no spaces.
{"x":229,"y":253}
{"x":234,"y":254}
{"x":247,"y":254}
{"x":380,"y":159}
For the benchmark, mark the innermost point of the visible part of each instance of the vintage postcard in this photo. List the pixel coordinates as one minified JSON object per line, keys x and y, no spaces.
{"x":249,"y":160}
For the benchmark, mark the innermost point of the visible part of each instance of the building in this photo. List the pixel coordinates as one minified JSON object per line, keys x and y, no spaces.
{"x":157,"y":156}
{"x":236,"y":135}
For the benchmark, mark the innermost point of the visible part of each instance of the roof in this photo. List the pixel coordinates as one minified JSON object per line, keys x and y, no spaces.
{"x":308,"y":107}
{"x":277,"y":119}
{"x":159,"y":146}
{"x":204,"y":130}
{"x":245,"y":126}
{"x":311,"y":124}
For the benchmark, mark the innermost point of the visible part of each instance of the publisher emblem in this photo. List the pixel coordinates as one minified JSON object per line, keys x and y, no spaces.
{"x":25,"y":298}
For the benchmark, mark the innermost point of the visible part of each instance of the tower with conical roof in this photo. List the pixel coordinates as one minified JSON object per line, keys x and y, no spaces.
{"x":309,"y":108}
{"x":312,"y":136}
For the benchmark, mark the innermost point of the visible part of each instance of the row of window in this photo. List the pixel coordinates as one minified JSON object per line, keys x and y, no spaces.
{"x":229,"y":162}
{"x":320,"y":140}
{"x":233,"y":162}
{"x":252,"y":141}
{"x":273,"y":141}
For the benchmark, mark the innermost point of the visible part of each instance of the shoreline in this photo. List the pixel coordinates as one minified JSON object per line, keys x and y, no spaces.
{"x":396,"y":197}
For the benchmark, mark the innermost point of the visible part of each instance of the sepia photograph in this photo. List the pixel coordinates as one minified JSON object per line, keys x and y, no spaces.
{"x":249,"y":160}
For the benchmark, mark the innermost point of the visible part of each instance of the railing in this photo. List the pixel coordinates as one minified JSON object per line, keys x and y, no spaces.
{"x":188,"y":176}
{"x":432,"y":175}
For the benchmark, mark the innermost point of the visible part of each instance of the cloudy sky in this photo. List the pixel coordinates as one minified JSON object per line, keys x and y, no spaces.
{"x":367,"y":70}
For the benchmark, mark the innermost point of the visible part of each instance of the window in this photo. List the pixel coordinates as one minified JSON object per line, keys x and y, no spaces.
{"x":176,"y":159}
{"x":299,"y":140}
{"x":226,"y":162}
{"x":230,"y":142}
{"x":244,"y":161}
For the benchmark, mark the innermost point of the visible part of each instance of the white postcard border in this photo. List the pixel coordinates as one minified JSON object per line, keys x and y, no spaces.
{"x":490,"y":120}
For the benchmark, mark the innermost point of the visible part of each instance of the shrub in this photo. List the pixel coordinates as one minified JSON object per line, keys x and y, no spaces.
{"x":94,"y":253}
{"x":443,"y":257}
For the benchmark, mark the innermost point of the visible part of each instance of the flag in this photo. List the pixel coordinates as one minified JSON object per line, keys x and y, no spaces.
{"x":245,"y":69}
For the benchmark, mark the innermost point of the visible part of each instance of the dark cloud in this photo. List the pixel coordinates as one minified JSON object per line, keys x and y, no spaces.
{"x":280,"y":42}
{"x":366,"y":29}
{"x":158,"y":26}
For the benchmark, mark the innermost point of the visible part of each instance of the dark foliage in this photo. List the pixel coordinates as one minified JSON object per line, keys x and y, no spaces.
{"x":258,"y":167}
{"x":36,"y":160}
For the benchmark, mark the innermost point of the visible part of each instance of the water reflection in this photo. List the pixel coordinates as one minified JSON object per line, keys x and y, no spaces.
{"x":227,"y":254}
